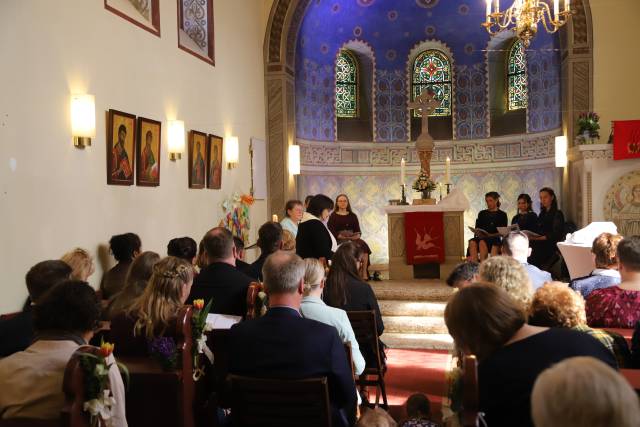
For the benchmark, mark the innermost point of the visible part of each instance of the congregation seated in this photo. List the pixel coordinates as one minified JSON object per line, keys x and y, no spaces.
{"x":294,"y":212}
{"x":618,"y":306}
{"x":418,"y":411}
{"x":183,"y":247}
{"x":220,"y":281}
{"x":312,"y":307}
{"x":16,"y":333}
{"x":550,"y":227}
{"x":604,"y":249}
{"x":489,"y":220}
{"x":314,"y":240}
{"x":31,"y":380}
{"x":463,"y":274}
{"x":516,"y":245}
{"x":81,"y":263}
{"x":508,"y":274}
{"x":240,"y":263}
{"x":284,"y":345}
{"x":526,"y":218}
{"x":345,"y":227}
{"x":269,"y":241}
{"x":134,"y":285}
{"x":556,"y":306}
{"x":124,"y":248}
{"x":487,"y":322}
{"x":135,"y":331}
{"x":583,"y":391}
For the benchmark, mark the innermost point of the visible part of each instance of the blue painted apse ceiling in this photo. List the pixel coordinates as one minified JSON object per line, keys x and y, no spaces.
{"x":392,"y":28}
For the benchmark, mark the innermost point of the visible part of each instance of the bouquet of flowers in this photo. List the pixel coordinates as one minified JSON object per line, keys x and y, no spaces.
{"x":165,"y":351}
{"x":589,"y":123}
{"x":198,"y":329}
{"x":424,"y":183}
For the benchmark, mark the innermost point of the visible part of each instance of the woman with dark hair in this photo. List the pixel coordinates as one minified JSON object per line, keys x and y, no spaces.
{"x":124,"y":248}
{"x":314,"y":240}
{"x":345,"y":289}
{"x":526,"y":218}
{"x":344,"y":225}
{"x":487,"y":322}
{"x":488,"y":220}
{"x":551,"y":228}
{"x":294,"y":212}
{"x":183,"y":247}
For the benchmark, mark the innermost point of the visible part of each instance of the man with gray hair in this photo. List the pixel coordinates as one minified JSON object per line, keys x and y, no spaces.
{"x":516,"y":245}
{"x":284,"y":345}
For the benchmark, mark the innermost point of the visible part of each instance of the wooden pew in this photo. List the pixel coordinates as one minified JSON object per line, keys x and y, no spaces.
{"x":253,"y":300}
{"x":626,"y":333}
{"x":470,"y":393}
{"x":633,"y":377}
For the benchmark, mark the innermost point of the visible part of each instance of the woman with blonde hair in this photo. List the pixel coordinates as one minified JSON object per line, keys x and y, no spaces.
{"x":605,"y":254}
{"x":508,"y":274}
{"x":81,"y":263}
{"x":583,"y":391}
{"x":312,"y":307}
{"x":155,"y":311}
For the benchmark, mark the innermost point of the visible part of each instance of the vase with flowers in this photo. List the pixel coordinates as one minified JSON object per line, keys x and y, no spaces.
{"x":424,"y":184}
{"x":589,"y":127}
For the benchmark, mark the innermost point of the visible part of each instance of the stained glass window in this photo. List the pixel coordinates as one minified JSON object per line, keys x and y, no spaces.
{"x":517,"y":76}
{"x":346,"y":85}
{"x":432,"y":71}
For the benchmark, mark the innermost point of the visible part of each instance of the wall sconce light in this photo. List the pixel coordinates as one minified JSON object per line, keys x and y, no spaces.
{"x":561,"y":151}
{"x":232,"y":151}
{"x":294,"y":159}
{"x":176,"y":139}
{"x":83,"y":119}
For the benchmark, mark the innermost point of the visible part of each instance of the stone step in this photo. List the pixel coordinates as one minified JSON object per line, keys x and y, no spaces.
{"x":412,"y":290}
{"x":411,"y":308}
{"x":418,"y":341}
{"x":415,"y":324}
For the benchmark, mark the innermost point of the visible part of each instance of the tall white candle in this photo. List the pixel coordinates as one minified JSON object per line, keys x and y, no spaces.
{"x":556,"y":9}
{"x":447,"y":171}
{"x":496,"y":4}
{"x":274,"y":218}
{"x":402,"y":166}
{"x":567,"y":5}
{"x":488,"y":10}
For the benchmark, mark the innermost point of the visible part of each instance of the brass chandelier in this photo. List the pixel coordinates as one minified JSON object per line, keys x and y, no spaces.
{"x":524,"y":16}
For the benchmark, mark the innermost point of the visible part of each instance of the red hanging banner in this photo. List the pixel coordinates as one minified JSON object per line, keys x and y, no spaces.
{"x":626,"y":139}
{"x":424,"y":237}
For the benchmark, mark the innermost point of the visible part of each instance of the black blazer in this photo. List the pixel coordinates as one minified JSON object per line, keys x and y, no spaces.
{"x":284,"y":345}
{"x":16,"y":334}
{"x":313,"y":240}
{"x":225,"y":285}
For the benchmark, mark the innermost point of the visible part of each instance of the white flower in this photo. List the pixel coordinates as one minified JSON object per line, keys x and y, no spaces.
{"x":262,"y":295}
{"x":202,"y":342}
{"x":208,"y":327}
{"x":101,"y":407}
{"x":101,"y":370}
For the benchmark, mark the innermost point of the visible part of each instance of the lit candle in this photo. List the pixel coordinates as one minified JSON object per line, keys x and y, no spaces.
{"x":496,"y":4}
{"x":402,"y":166}
{"x":556,"y":9}
{"x":447,"y":171}
{"x":488,"y":10}
{"x":274,"y":218}
{"x":567,"y":5}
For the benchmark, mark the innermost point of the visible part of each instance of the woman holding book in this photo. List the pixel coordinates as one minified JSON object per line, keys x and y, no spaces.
{"x":487,"y":238}
{"x":526,"y":218}
{"x":551,"y":228}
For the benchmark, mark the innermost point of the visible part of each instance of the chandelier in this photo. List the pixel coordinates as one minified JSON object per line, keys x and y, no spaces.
{"x":525,"y":15}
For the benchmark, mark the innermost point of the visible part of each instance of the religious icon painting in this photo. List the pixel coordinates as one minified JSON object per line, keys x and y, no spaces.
{"x":148,"y":153}
{"x":214,"y":162}
{"x":121,"y":137}
{"x":197,"y":159}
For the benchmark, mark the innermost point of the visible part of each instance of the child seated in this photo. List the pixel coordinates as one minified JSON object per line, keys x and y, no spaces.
{"x":418,"y":410}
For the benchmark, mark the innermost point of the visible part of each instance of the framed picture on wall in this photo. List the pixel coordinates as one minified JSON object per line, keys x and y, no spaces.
{"x":214,"y":162}
{"x":148,"y":153}
{"x":121,"y":137}
{"x":197,"y":159}
{"x":142,"y":13}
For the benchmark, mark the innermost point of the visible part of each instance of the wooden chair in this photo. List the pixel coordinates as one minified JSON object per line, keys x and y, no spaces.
{"x":8,"y":316}
{"x":253,"y":306}
{"x":279,"y":403}
{"x":159,"y":398}
{"x":470,"y":394}
{"x":365,"y":330}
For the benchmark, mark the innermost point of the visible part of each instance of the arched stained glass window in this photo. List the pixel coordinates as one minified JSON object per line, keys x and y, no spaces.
{"x":346,"y":85}
{"x":432,"y":71}
{"x":517,"y":76}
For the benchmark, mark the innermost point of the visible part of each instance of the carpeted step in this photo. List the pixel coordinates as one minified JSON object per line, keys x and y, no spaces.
{"x":415,"y":324}
{"x":418,"y":341}
{"x":411,"y":308}
{"x":412,"y":290}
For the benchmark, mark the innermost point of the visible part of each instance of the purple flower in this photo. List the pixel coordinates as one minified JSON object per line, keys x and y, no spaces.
{"x":164,"y":350}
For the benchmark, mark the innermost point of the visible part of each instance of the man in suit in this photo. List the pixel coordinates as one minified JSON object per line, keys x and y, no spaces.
{"x":269,"y":241}
{"x":284,"y":345}
{"x":240,"y":264}
{"x":220,"y":281}
{"x":16,"y":333}
{"x":516,"y":245}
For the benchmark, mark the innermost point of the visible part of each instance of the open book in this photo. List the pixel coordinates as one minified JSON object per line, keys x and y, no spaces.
{"x":479,"y":232}
{"x":506,"y":230}
{"x":222,"y":321}
{"x":503,"y":231}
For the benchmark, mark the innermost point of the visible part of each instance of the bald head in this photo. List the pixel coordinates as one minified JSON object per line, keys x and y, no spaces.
{"x":516,"y":245}
{"x":218,"y":244}
{"x":283,"y":272}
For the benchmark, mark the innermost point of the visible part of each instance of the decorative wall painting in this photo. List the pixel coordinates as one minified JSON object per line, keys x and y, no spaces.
{"x":214,"y":162}
{"x":148,"y":152}
{"x":197,"y":159}
{"x":121,"y":136}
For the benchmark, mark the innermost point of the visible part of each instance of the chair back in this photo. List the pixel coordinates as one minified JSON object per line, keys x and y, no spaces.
{"x":253,"y":306}
{"x":470,"y":394}
{"x":279,"y":403}
{"x":366,"y":332}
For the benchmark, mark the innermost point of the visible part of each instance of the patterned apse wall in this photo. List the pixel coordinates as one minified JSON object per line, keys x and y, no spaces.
{"x":392,"y":28}
{"x":369,"y":195}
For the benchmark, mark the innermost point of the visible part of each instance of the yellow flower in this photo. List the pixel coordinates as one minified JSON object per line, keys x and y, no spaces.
{"x":106,"y":349}
{"x":198,"y":304}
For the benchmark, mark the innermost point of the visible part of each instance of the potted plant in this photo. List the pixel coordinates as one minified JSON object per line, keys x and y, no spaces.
{"x":588,"y":127}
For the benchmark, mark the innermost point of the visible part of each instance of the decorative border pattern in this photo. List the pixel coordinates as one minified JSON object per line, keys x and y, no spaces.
{"x":590,"y":151}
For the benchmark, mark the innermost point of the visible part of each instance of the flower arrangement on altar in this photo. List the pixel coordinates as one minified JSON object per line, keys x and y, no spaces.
{"x":236,"y":219}
{"x":589,"y":126}
{"x":99,"y":401}
{"x":424,"y":184}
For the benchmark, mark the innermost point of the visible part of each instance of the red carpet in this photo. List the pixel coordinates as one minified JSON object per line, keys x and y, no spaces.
{"x":415,"y":371}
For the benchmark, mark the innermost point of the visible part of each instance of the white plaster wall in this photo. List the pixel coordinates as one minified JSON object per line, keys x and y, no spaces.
{"x":56,"y":196}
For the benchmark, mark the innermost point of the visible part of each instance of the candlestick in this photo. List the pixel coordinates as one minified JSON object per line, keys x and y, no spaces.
{"x":402,"y":171}
{"x":274,"y":218}
{"x":447,"y":171}
{"x":403,"y":200}
{"x":556,"y":9}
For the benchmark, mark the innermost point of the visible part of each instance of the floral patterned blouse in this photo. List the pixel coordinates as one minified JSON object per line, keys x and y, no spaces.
{"x":613,"y":307}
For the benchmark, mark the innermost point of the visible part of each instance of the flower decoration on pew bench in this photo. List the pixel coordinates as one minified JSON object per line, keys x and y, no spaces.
{"x":199,"y":328}
{"x":99,"y":400}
